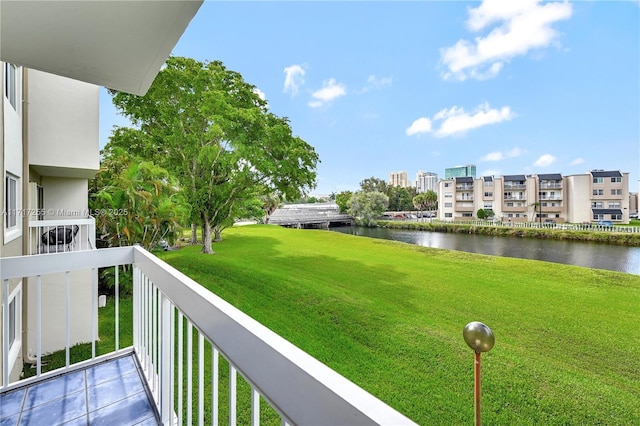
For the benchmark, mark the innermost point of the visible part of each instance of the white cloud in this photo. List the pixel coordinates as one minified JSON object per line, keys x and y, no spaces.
{"x":456,"y":121}
{"x":260,"y":93}
{"x":330,"y":91}
{"x":493,"y":156}
{"x":515,"y":152}
{"x":545,"y":160}
{"x":419,"y":126}
{"x":294,"y":78}
{"x":374,"y":81}
{"x":577,"y":161}
{"x":522,"y":26}
{"x":498,"y":156}
{"x":494,"y":172}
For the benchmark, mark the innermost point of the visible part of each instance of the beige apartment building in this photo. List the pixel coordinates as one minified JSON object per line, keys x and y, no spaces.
{"x":399,"y":179}
{"x":593,"y":196}
{"x":49,"y":148}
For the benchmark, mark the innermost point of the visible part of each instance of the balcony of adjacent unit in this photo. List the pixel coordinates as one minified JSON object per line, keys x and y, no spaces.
{"x":551,"y":197}
{"x":514,"y":185}
{"x":464,"y":187}
{"x":179,"y":333}
{"x":514,"y":196}
{"x":60,"y":236}
{"x":551,"y":185}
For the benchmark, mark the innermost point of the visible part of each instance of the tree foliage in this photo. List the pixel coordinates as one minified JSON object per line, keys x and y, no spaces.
{"x":342,"y":200}
{"x":135,"y":202}
{"x":374,"y":184}
{"x":426,"y":200}
{"x":399,"y":199}
{"x":366,"y":207}
{"x":212,"y":130}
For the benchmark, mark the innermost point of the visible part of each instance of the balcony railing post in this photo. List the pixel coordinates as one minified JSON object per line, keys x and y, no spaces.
{"x":137,"y":298}
{"x":5,"y":333}
{"x":166,"y":361}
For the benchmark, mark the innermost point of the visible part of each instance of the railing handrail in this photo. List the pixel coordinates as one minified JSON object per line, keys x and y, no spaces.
{"x":61,"y":222}
{"x":299,"y":386}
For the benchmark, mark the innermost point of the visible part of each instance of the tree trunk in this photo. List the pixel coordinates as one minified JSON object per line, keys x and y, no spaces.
{"x":217,"y":235}
{"x":194,"y":234}
{"x":206,"y":236}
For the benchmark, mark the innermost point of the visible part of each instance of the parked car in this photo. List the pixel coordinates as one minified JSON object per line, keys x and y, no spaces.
{"x":633,"y":216}
{"x":549,"y":221}
{"x":605,"y":223}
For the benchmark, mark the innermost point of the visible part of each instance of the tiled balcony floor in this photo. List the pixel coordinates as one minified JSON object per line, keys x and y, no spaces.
{"x":110,"y":393}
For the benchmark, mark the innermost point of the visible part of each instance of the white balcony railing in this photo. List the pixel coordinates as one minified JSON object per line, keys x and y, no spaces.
{"x":169,"y":308}
{"x":64,"y":235}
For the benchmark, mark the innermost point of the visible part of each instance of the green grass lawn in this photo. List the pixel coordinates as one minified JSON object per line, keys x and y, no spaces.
{"x":389,"y":316}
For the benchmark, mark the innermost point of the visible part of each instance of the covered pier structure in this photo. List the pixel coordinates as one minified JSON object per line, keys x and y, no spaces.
{"x":313,"y":215}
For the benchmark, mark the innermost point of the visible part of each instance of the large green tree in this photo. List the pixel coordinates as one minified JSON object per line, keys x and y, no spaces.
{"x":373,"y":184}
{"x":366,"y":207}
{"x":399,"y":199}
{"x":212,"y":130}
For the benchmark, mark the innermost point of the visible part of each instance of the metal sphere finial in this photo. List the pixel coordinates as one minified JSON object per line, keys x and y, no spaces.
{"x":478,"y":336}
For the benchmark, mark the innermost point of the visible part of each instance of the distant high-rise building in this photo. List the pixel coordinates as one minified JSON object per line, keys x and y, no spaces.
{"x":398,"y":179}
{"x":460,"y":171}
{"x":426,"y":181}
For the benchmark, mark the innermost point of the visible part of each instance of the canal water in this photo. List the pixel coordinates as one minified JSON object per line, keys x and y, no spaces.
{"x":591,"y":255}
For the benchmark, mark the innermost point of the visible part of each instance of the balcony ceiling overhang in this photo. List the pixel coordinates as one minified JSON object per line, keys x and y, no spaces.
{"x":116,"y":44}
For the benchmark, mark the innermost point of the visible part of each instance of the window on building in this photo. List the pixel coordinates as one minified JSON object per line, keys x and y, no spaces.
{"x":488,"y":183}
{"x":598,"y":180}
{"x":597,"y":216}
{"x":11,"y":202}
{"x":543,"y":204}
{"x":488,"y":206}
{"x":448,"y":195}
{"x":616,"y":217}
{"x":467,"y":214}
{"x":509,"y":204}
{"x":617,"y":179}
{"x":488,"y":194}
{"x":598,"y":192}
{"x":11,"y":84}
{"x":448,"y":215}
{"x":616,"y":191}
{"x":597,"y":204}
{"x":614,"y":205}
{"x":447,"y":184}
{"x":15,"y":324}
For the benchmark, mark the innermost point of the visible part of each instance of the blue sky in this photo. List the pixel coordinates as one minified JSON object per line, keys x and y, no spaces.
{"x":376,"y":87}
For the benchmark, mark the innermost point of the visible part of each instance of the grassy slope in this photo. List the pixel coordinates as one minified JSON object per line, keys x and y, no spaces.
{"x":389,"y":316}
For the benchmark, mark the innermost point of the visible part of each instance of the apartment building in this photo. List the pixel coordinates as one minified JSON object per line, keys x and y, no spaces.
{"x":49,"y":145}
{"x":596,"y":195}
{"x":599,"y":195}
{"x":460,"y":171}
{"x":426,"y":181}
{"x":50,"y":151}
{"x":399,"y":179}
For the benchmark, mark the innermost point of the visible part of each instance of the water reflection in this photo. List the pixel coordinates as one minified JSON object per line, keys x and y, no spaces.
{"x":591,"y":255}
